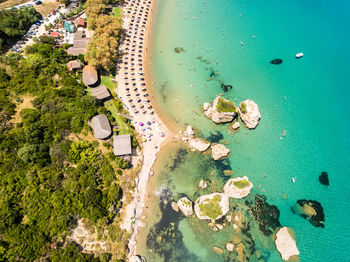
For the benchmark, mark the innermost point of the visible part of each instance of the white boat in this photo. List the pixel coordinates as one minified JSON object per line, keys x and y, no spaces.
{"x":293,"y":179}
{"x":299,"y":55}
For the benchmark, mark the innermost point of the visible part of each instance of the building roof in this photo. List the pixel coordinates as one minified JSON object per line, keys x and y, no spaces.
{"x":100,"y":125}
{"x":122,"y":145}
{"x":74,"y":64}
{"x":80,"y":42}
{"x":54,"y":34}
{"x":90,"y":76}
{"x":100,"y":92}
{"x":81,"y":22}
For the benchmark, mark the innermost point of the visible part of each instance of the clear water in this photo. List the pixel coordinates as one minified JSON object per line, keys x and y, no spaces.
{"x":315,"y":114}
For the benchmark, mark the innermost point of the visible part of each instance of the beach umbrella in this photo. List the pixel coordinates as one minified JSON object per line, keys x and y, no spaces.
{"x":141,"y":124}
{"x":149,"y":123}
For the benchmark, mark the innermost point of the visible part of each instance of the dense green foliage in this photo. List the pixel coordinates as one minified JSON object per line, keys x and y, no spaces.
{"x":243,"y":108}
{"x":47,"y":180}
{"x":225,"y":106}
{"x":15,"y":23}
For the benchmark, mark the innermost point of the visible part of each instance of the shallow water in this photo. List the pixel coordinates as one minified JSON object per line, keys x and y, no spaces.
{"x":315,"y":114}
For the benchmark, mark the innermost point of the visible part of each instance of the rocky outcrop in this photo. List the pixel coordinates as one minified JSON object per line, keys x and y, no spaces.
{"x":222,"y":111}
{"x":323,"y":178}
{"x":286,"y":244}
{"x":311,"y":210}
{"x":230,"y":246}
{"x":219,"y":151}
{"x":174,"y":206}
{"x":202,"y":184}
{"x":235,"y":125}
{"x":249,"y":113}
{"x":199,"y":144}
{"x":189,"y":132}
{"x":238,"y":187}
{"x":213,"y":206}
{"x":186,"y":206}
{"x":137,"y":258}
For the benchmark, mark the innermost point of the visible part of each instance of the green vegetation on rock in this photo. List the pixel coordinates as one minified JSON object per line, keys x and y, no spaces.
{"x":225,"y":106}
{"x":241,"y":183}
{"x":243,"y":108}
{"x":211,"y":207}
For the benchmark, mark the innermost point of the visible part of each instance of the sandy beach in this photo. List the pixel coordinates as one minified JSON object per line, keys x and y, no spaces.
{"x":134,"y":90}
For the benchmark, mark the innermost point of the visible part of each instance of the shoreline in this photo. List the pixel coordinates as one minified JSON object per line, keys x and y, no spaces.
{"x":133,"y":212}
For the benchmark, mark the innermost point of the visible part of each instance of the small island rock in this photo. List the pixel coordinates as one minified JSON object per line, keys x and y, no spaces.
{"x":202,"y":184}
{"x":323,"y":178}
{"x":199,"y":144}
{"x":249,"y":113}
{"x":222,"y":111}
{"x":238,"y":187}
{"x":219,"y":151}
{"x":186,"y":206}
{"x":286,"y":244}
{"x":189,"y":132}
{"x":311,"y":210}
{"x":213,"y":206}
{"x":230,"y":246}
{"x":235,"y":125}
{"x":174,"y":206}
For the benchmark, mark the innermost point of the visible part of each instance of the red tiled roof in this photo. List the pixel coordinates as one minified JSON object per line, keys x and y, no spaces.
{"x":54,"y":34}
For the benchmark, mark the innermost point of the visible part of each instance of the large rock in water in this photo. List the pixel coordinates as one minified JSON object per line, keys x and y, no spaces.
{"x":238,"y":187}
{"x":213,"y":206}
{"x":311,"y":210}
{"x":186,"y":206}
{"x":219,"y":151}
{"x":323,"y":178}
{"x":222,"y":111}
{"x":249,"y":113}
{"x":199,"y":144}
{"x":286,"y":244}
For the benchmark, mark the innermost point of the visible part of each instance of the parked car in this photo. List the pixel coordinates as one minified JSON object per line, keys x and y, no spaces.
{"x":38,"y":2}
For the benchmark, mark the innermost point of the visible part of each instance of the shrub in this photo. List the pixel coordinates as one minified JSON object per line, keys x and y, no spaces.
{"x":225,"y":106}
{"x":243,"y":108}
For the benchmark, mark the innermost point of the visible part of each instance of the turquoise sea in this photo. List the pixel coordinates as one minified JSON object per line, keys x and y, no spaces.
{"x":309,"y":98}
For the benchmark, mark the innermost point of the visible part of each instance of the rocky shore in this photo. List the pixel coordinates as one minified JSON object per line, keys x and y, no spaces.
{"x":286,"y":244}
{"x":225,"y":111}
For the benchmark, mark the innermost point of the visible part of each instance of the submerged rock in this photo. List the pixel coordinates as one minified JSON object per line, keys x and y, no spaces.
{"x":218,"y":250}
{"x":249,"y":113}
{"x":222,"y":111}
{"x":323,"y":178}
{"x":276,"y":61}
{"x":266,"y":215}
{"x":178,"y":50}
{"x":186,"y":206}
{"x":199,"y":144}
{"x":219,"y":151}
{"x":286,"y":244}
{"x":226,"y":88}
{"x":213,"y":206}
{"x":311,"y":210}
{"x":238,"y":187}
